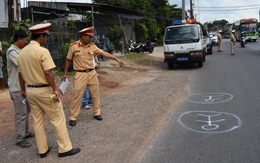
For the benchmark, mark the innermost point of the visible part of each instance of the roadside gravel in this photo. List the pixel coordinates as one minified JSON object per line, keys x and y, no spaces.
{"x":136,"y":102}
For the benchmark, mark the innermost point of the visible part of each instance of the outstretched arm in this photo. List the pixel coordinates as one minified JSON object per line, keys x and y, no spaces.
{"x":107,"y":55}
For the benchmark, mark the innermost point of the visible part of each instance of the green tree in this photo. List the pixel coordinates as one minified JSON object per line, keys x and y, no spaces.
{"x":141,"y":31}
{"x":157,"y":15}
{"x":115,"y":34}
{"x":220,"y":24}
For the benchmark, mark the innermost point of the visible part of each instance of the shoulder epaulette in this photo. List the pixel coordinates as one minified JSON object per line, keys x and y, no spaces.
{"x":73,"y":43}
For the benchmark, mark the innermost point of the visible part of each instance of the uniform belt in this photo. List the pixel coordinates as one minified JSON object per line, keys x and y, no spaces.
{"x":38,"y":86}
{"x":88,"y":70}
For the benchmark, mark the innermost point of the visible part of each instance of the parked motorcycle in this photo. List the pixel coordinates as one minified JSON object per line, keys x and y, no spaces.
{"x":104,"y":44}
{"x":148,"y":46}
{"x":135,"y":47}
{"x":242,"y":40}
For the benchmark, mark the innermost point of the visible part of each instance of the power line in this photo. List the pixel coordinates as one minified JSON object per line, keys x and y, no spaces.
{"x":245,"y":6}
{"x":230,"y":9}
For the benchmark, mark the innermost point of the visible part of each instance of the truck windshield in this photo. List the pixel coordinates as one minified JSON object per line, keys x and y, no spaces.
{"x":181,"y":34}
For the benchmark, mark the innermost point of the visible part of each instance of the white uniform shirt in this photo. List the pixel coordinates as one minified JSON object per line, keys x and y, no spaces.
{"x":94,"y":62}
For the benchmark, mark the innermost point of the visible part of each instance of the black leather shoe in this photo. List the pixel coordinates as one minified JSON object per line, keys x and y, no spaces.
{"x":98,"y":117}
{"x":23,"y":144}
{"x":70,"y":153}
{"x":45,"y":154}
{"x":73,"y":123}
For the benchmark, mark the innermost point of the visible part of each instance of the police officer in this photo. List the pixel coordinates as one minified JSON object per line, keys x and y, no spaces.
{"x":219,"y":41}
{"x":232,"y":42}
{"x":35,"y":67}
{"x":22,"y":110}
{"x":82,"y":53}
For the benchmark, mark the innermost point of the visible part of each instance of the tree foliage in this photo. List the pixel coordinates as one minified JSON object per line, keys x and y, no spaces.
{"x":217,"y":24}
{"x":114,"y":34}
{"x":158,"y":15}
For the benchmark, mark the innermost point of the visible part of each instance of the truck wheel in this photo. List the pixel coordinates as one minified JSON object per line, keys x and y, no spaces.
{"x":210,"y":49}
{"x":204,"y":56}
{"x":170,"y":65}
{"x":200,"y":64}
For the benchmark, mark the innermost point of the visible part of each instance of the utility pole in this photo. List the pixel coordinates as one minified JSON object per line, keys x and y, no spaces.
{"x":191,"y":10}
{"x":10,"y":14}
{"x":183,"y":10}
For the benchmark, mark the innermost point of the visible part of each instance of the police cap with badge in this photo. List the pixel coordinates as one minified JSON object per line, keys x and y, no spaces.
{"x":87,"y":31}
{"x":40,"y":28}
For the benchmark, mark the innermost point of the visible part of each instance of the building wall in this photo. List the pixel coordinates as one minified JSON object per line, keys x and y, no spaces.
{"x":101,"y":22}
{"x":4,"y":14}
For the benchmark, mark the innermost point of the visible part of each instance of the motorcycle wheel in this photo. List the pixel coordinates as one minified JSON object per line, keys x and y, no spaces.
{"x":140,"y":50}
{"x":151,"y":50}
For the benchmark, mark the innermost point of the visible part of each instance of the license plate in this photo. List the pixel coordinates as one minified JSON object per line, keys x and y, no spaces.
{"x":182,"y":59}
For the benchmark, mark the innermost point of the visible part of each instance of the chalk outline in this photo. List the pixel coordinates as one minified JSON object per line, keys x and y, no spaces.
{"x":233,"y":128}
{"x":231,"y":97}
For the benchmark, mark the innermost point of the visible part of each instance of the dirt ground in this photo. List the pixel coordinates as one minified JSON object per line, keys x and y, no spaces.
{"x":110,"y":77}
{"x":99,"y":141}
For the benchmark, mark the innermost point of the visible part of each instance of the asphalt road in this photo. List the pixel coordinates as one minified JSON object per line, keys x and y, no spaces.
{"x":184,"y":115}
{"x":218,"y":122}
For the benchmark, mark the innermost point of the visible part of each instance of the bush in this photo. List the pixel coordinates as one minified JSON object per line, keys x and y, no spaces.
{"x":141,"y":32}
{"x":64,"y":51}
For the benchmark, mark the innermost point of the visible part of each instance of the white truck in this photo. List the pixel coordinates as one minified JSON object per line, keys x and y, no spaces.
{"x":184,"y":43}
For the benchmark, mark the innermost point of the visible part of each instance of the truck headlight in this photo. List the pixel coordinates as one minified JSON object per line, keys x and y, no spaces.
{"x":195,"y":53}
{"x":169,"y":54}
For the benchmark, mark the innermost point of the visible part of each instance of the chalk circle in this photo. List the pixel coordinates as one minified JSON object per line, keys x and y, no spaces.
{"x":209,"y":98}
{"x":210,"y":127}
{"x":209,"y":121}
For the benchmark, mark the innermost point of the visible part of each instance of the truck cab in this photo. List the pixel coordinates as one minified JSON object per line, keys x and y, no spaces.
{"x":184,"y":43}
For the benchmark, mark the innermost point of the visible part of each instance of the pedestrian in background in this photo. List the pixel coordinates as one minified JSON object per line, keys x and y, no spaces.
{"x":232,"y":42}
{"x":21,"y":107}
{"x":2,"y":82}
{"x":35,"y":71}
{"x":82,"y":53}
{"x":220,"y":41}
{"x":87,"y":98}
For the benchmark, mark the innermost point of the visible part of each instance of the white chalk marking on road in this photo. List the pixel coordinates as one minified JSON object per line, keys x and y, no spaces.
{"x":213,"y":122}
{"x":209,"y":98}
